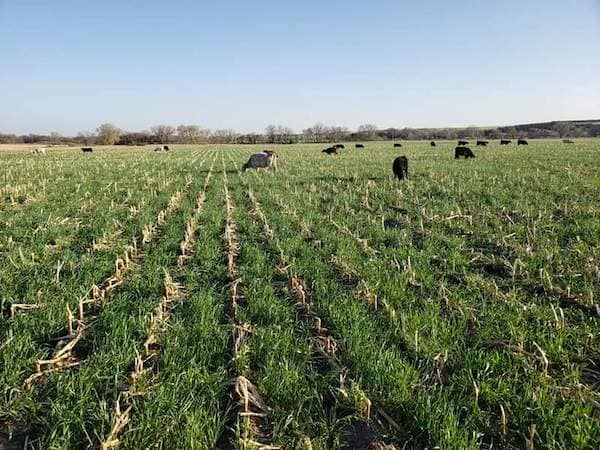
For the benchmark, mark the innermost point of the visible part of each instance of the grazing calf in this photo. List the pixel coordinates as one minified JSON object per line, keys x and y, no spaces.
{"x":166,"y":148}
{"x":339,"y":146}
{"x":87,"y":149}
{"x":463,"y":143}
{"x":262,"y":160}
{"x":397,"y":144}
{"x":504,"y":141}
{"x":465,"y":152}
{"x":359,"y":146}
{"x":330,"y":151}
{"x":522,"y":142}
{"x":400,"y":168}
{"x":482,"y":143}
{"x":568,"y":141}
{"x":432,"y":143}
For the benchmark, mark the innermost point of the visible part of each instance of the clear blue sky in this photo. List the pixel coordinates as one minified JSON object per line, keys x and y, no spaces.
{"x":68,"y":66}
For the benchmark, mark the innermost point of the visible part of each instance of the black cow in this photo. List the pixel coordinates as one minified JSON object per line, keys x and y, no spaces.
{"x":463,"y":142}
{"x":166,"y":148}
{"x":339,"y":145}
{"x":568,"y":141}
{"x":87,"y":149}
{"x":397,"y":144}
{"x":522,"y":142}
{"x":330,"y":151}
{"x":482,"y":143}
{"x":504,"y":141}
{"x":432,"y":143}
{"x":400,"y":168}
{"x":359,"y":146}
{"x":465,"y":152}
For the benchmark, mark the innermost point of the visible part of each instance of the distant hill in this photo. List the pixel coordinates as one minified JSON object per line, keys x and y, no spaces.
{"x":555,"y":129}
{"x":563,"y":128}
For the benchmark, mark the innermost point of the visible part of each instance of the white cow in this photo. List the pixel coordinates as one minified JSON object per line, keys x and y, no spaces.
{"x":264,"y":159}
{"x":39,"y":151}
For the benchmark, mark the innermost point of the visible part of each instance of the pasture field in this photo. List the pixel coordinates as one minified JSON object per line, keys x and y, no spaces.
{"x":165,"y":300}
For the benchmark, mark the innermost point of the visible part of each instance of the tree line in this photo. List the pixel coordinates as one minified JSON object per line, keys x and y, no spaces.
{"x":109,"y":134}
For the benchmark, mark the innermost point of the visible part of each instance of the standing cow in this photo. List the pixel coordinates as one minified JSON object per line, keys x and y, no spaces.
{"x":460,"y":143}
{"x":397,"y":144}
{"x":359,"y":146}
{"x":87,"y":149}
{"x":330,"y":151}
{"x":432,"y":143}
{"x":400,"y":167}
{"x":522,"y":142}
{"x":504,"y":141}
{"x":482,"y":143}
{"x":465,"y":152}
{"x":39,"y":151}
{"x":262,"y":160}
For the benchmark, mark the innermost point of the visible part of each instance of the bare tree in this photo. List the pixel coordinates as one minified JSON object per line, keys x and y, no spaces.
{"x":191,"y":134}
{"x":55,"y":137}
{"x":316,"y":133}
{"x":250,"y":138}
{"x":367,"y":132}
{"x":318,"y":130}
{"x":226,"y":136}
{"x":85,"y":137}
{"x":336,"y":133}
{"x":108,"y":134}
{"x":163,"y":132}
{"x":271,"y":134}
{"x":283,"y":135}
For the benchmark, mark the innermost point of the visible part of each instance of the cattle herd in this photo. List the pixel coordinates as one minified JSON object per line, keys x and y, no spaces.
{"x":268,"y":158}
{"x":400,"y":164}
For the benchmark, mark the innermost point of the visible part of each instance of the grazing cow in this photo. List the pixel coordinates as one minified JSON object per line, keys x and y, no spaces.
{"x":504,"y":141}
{"x":39,"y":151}
{"x":463,"y":143}
{"x":432,"y":143}
{"x":397,"y":144}
{"x":330,"y":151}
{"x":158,"y":149}
{"x":465,"y":152}
{"x":522,"y":142}
{"x":359,"y":146}
{"x":262,"y":160}
{"x":339,"y":146}
{"x":400,"y":168}
{"x":166,"y":148}
{"x":87,"y":149}
{"x":568,"y":141}
{"x":482,"y":143}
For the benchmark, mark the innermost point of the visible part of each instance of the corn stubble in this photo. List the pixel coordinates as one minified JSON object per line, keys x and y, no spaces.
{"x":327,"y":305}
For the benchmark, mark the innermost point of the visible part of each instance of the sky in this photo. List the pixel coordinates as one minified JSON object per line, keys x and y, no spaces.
{"x":70,"y":65}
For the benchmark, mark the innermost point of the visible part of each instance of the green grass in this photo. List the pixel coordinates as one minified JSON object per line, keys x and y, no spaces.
{"x":486,"y":274}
